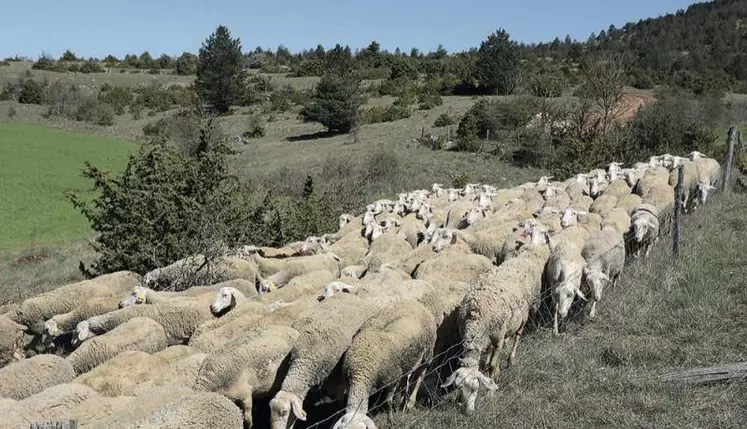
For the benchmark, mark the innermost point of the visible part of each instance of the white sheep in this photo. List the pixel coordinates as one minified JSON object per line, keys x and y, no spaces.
{"x":709,"y":174}
{"x":138,"y":333}
{"x":618,"y":188}
{"x":645,"y":224}
{"x":248,"y":367}
{"x":604,"y":253}
{"x":629,"y":202}
{"x":563,"y":274}
{"x":12,"y":340}
{"x":618,"y":219}
{"x":690,"y":182}
{"x":496,"y":307}
{"x":196,"y":270}
{"x":61,"y":323}
{"x":34,"y":311}
{"x":396,"y":342}
{"x":30,"y":376}
{"x":603,"y":204}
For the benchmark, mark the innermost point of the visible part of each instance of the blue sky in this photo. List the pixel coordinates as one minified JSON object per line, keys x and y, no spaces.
{"x":97,"y":28}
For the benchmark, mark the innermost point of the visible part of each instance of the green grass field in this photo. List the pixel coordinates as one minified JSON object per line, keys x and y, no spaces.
{"x":38,"y":166}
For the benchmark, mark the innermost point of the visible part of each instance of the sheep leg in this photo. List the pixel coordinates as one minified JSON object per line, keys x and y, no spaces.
{"x":556,"y":331}
{"x":517,"y":337}
{"x":494,"y":367}
{"x":414,"y":395}
{"x":593,"y":310}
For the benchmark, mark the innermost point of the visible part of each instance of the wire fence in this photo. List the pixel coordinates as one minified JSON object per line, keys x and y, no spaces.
{"x":442,"y":364}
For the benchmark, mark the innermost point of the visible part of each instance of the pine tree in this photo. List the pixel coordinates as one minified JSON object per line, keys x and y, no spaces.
{"x":220,"y":71}
{"x":497,"y":67}
{"x":335,"y":104}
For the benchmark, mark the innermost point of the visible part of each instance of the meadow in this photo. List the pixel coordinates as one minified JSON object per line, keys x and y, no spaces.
{"x":38,"y":167}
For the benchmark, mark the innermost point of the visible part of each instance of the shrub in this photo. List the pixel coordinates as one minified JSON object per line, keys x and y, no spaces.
{"x":117,"y":97}
{"x":94,"y":111}
{"x":11,"y":112}
{"x":63,"y":100}
{"x":467,"y":139}
{"x":10,"y":92}
{"x":460,"y":180}
{"x":91,"y":67}
{"x":429,"y":101}
{"x":136,"y":110}
{"x":494,"y":116}
{"x":31,"y":92}
{"x":106,"y":115}
{"x":444,"y":120}
{"x":255,"y":129}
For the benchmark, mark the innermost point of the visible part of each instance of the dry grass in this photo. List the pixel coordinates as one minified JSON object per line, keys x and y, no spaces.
{"x":665,"y":315}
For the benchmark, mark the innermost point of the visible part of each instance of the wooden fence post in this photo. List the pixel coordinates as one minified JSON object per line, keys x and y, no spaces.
{"x":726,"y":182}
{"x":741,"y":143}
{"x":679,"y":195}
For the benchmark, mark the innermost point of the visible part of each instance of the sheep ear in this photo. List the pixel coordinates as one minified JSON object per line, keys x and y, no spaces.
{"x":581,"y":294}
{"x":487,"y":382}
{"x":297,"y":408}
{"x":453,"y":239}
{"x":449,"y":381}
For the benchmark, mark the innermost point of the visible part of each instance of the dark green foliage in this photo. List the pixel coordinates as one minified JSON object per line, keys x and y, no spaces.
{"x":546,"y":85}
{"x":68,"y":55}
{"x":493,"y":116}
{"x":44,"y":63}
{"x":428,"y":101}
{"x":255,"y":129}
{"x":220,"y":74}
{"x":497,"y":66}
{"x":12,"y":112}
{"x":444,"y":120}
{"x":95,"y":111}
{"x":118,"y":97}
{"x":467,"y":138}
{"x":31,"y":92}
{"x":186,"y":64}
{"x":10,"y":91}
{"x":335,"y":102}
{"x":111,"y":61}
{"x":402,"y":68}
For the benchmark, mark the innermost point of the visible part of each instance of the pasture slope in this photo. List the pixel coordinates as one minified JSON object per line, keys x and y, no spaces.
{"x":665,"y":315}
{"x":38,"y":166}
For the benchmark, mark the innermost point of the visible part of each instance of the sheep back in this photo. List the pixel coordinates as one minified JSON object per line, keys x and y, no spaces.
{"x":29,"y":376}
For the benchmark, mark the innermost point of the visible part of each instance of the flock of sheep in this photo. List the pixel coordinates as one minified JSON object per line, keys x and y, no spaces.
{"x":435,"y":275}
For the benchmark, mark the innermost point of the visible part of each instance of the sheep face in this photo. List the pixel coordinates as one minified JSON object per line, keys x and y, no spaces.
{"x":354,"y":420}
{"x":82,"y":332}
{"x":368,"y":218}
{"x":570,"y":217}
{"x":443,"y":239}
{"x":138,"y":295}
{"x":563,"y":296}
{"x":640,"y":229}
{"x":265,"y":286}
{"x":285,"y":408}
{"x":473,"y":216}
{"x":223,"y":301}
{"x":344,"y":220}
{"x":468,"y":381}
{"x":51,"y":328}
{"x":312,"y":245}
{"x":703,"y":190}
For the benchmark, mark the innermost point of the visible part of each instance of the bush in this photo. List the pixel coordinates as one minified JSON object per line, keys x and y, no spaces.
{"x":256,"y":128}
{"x":467,"y":139}
{"x":31,"y":92}
{"x":335,"y":103}
{"x":429,"y":101}
{"x":91,"y":67}
{"x":94,"y":111}
{"x":165,"y":206}
{"x":444,"y":120}
{"x":10,"y":92}
{"x":11,"y":112}
{"x":63,"y":100}
{"x":378,"y":114}
{"x":118,"y":97}
{"x":498,"y":115}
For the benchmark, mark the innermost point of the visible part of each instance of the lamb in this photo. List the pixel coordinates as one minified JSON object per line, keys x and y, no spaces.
{"x":249,"y":367}
{"x":604,"y":253}
{"x":180,"y":319}
{"x":496,"y":307}
{"x":34,"y":311}
{"x":645,"y":224}
{"x":138,"y":333}
{"x":30,"y":376}
{"x":195,"y":269}
{"x":396,"y":342}
{"x":563,"y":273}
{"x":618,"y":219}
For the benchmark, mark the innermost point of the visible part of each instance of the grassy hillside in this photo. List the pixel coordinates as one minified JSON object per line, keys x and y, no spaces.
{"x":38,"y":166}
{"x":665,"y":315}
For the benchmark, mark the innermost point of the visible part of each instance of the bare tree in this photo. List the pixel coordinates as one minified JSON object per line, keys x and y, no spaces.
{"x":603,"y":86}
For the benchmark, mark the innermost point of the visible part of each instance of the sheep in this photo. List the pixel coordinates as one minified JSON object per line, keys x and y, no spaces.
{"x":597,"y":186}
{"x":603,"y":204}
{"x":351,"y":248}
{"x":529,"y":234}
{"x":653,"y":177}
{"x":577,"y":190}
{"x":352,"y":272}
{"x":29,"y":376}
{"x":128,"y":370}
{"x":709,"y":174}
{"x":562,"y":275}
{"x":645,"y":224}
{"x":60,"y":323}
{"x":550,"y":218}
{"x":617,"y":218}
{"x":690,"y":182}
{"x":194,"y":411}
{"x":282,"y":270}
{"x":628,"y":203}
{"x":396,"y":342}
{"x":197,"y":270}
{"x":299,"y":286}
{"x":604,"y":253}
{"x":388,"y":248}
{"x":249,"y":367}
{"x":560,"y":200}
{"x":661,"y":196}
{"x":334,"y":288}
{"x":180,"y":319}
{"x":497,"y":306}
{"x":474,"y":215}
{"x":453,"y":264}
{"x":344,"y":219}
{"x":145,"y":295}
{"x":138,"y":333}
{"x":34,"y":311}
{"x":12,"y":340}
{"x":617,"y":188}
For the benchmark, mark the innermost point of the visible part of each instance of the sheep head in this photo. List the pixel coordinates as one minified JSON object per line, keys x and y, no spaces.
{"x":225,"y":300}
{"x":695,"y":155}
{"x":285,"y":408}
{"x":82,"y":332}
{"x":570,"y":217}
{"x":442,"y":239}
{"x":468,"y":381}
{"x":564,"y":294}
{"x":344,"y":220}
{"x":51,"y":328}
{"x":138,"y":295}
{"x":703,"y":190}
{"x":596,"y":280}
{"x":354,"y":420}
